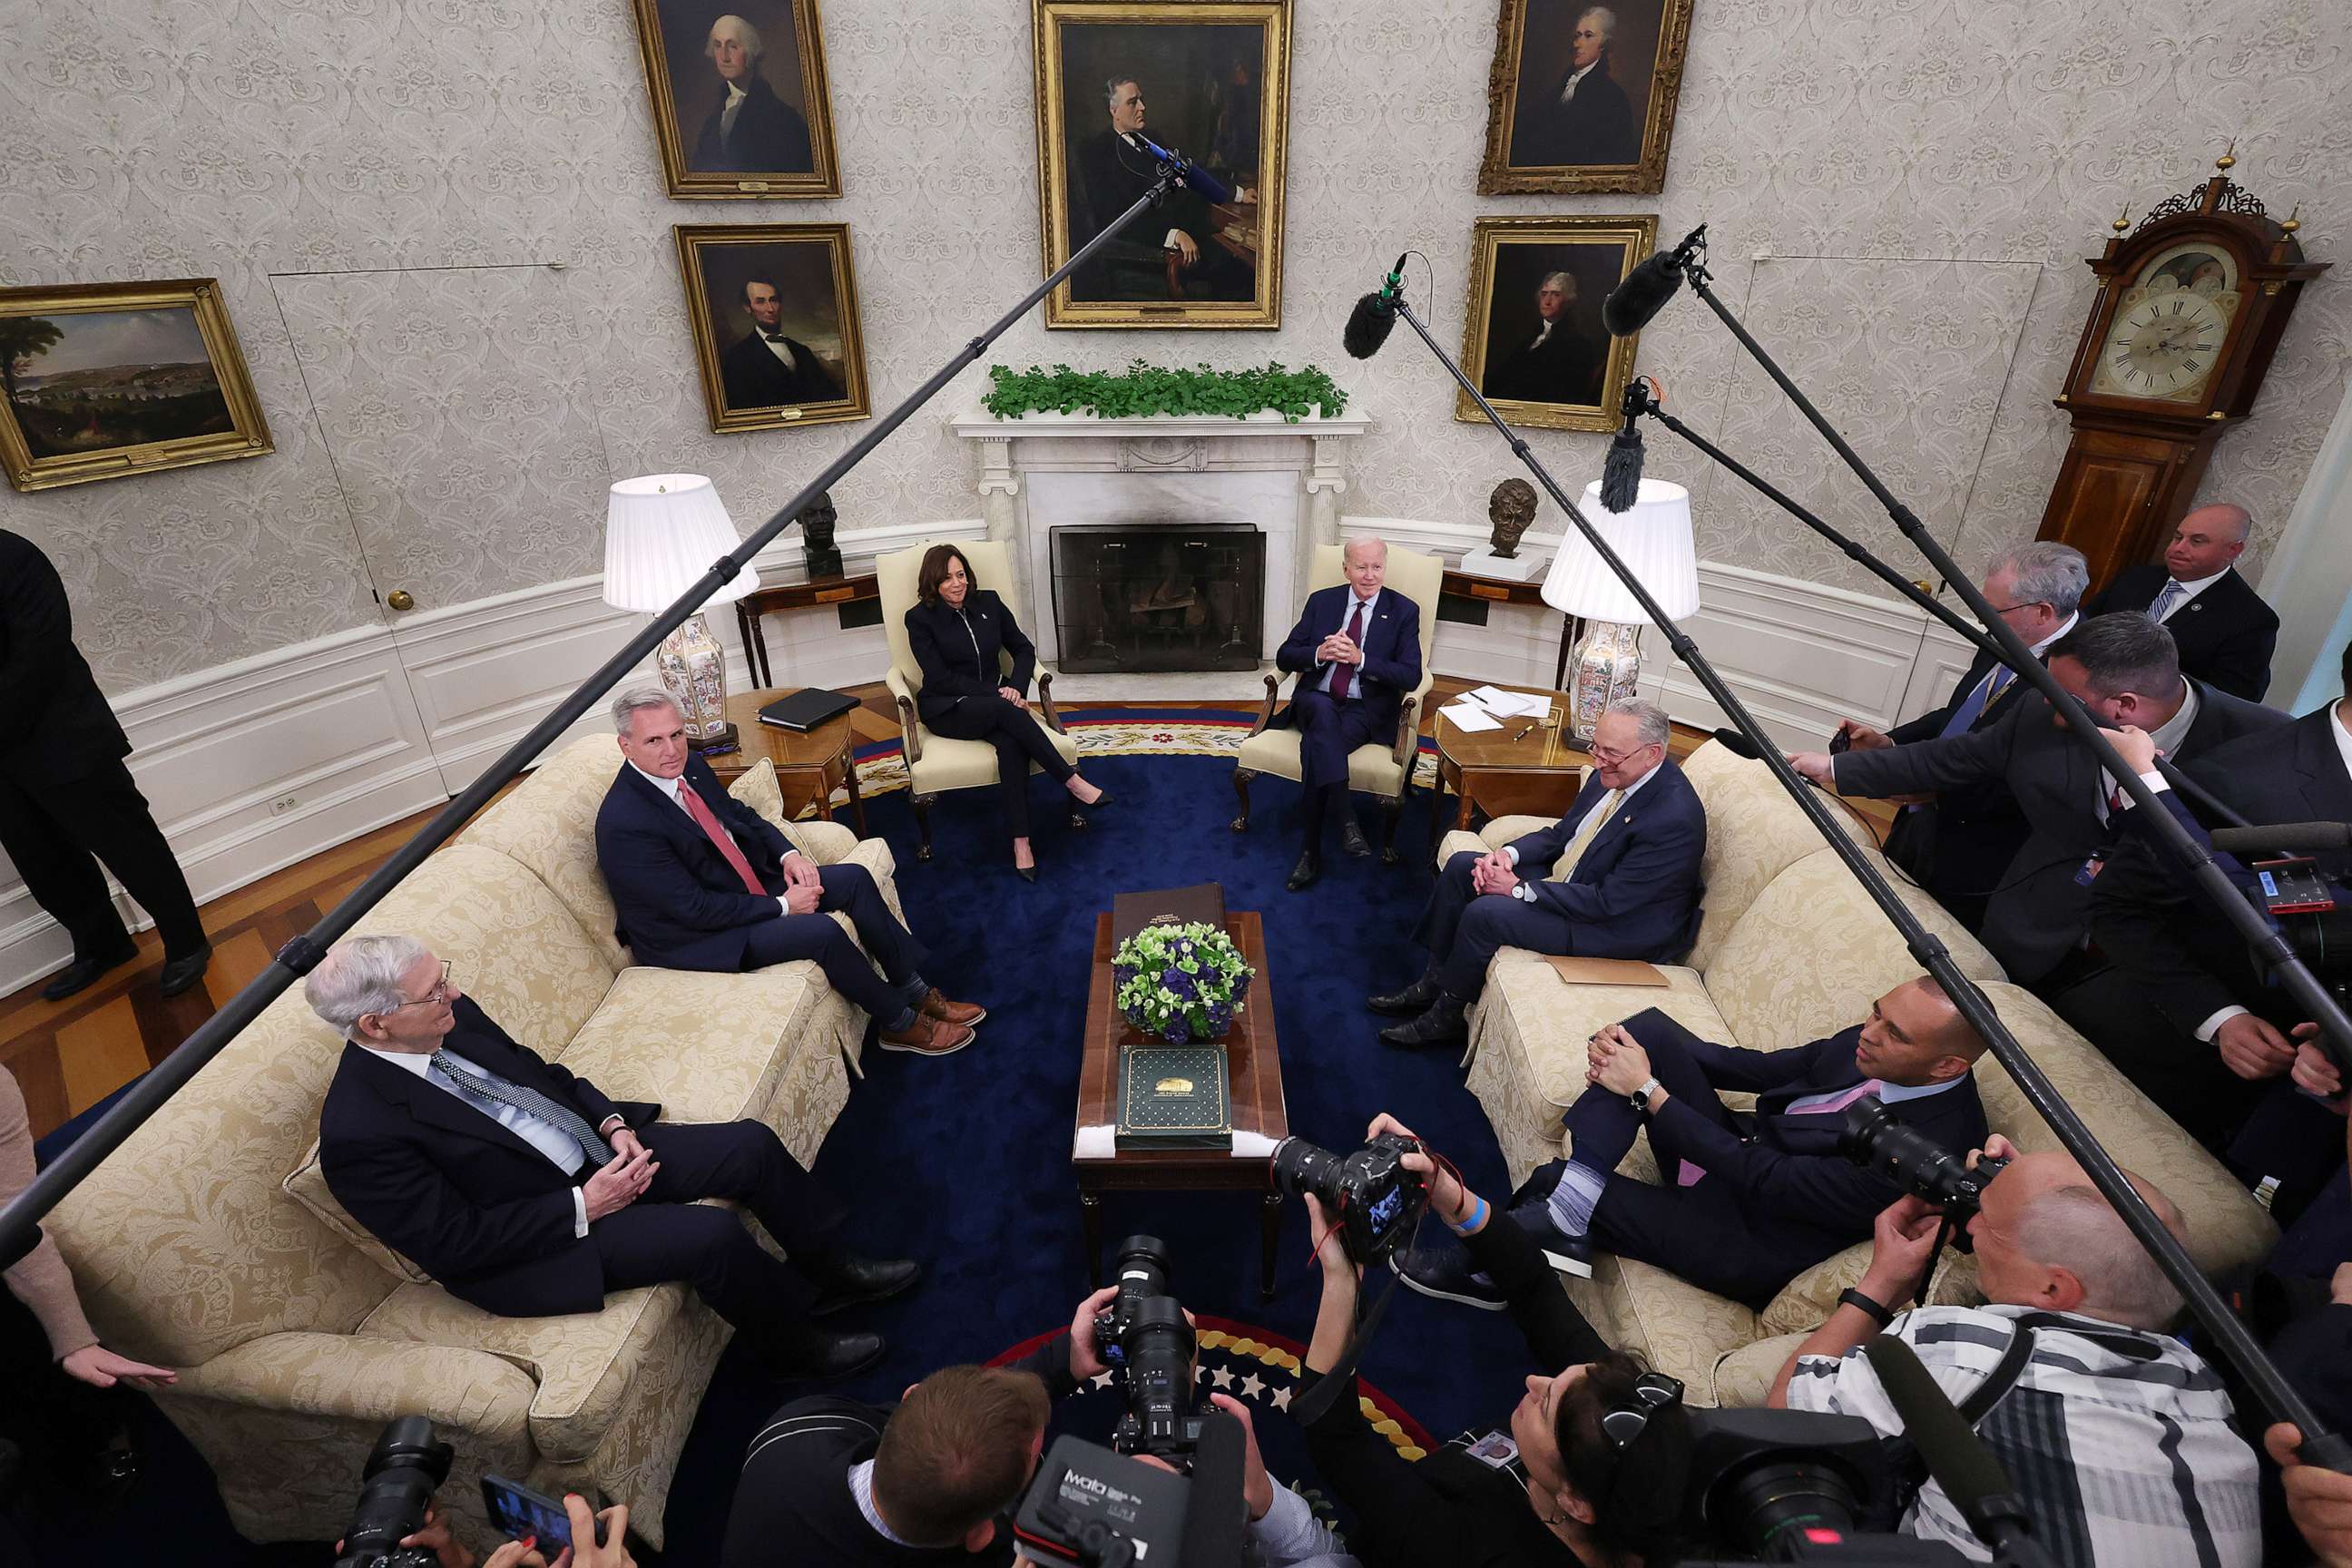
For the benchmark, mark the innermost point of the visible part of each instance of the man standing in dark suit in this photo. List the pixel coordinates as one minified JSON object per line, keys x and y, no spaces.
{"x":2224,"y":631}
{"x":1114,"y":169}
{"x":527,"y":1193}
{"x":1624,"y":882}
{"x":1356,"y":651}
{"x":751,"y":130}
{"x":66,"y":795}
{"x":1561,"y":364}
{"x":1746,"y":1202}
{"x":1957,"y":845}
{"x":2123,"y":669}
{"x":700,"y":881}
{"x":767,"y":369}
{"x":1585,"y":118}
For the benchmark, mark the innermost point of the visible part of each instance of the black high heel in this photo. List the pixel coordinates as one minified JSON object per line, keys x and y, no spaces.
{"x":1026,"y":873}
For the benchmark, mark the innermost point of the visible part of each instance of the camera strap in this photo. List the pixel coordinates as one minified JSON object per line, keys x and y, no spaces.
{"x":1306,"y":1409}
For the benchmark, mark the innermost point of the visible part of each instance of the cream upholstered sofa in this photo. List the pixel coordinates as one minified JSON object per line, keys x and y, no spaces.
{"x":1791,"y":949}
{"x":1381,"y":769}
{"x":209,"y":1242}
{"x":936,"y":764}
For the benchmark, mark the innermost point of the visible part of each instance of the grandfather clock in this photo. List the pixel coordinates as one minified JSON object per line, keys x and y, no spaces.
{"x":2190,"y":308}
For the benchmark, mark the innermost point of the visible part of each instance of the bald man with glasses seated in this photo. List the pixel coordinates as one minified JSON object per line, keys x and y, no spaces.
{"x":524,"y":1190}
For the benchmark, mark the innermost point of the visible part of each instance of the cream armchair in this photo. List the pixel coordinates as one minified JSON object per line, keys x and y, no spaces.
{"x":1376,"y":769}
{"x":936,"y":764}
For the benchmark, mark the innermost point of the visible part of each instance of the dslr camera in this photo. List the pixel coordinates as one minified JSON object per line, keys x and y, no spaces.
{"x":1149,"y":1346}
{"x":404,"y":1470}
{"x":1368,"y":1194}
{"x":1919,"y":1165}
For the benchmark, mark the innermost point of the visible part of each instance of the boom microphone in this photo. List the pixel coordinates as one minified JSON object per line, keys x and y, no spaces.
{"x":1216,"y":1526}
{"x":1212,"y":190}
{"x":1621,"y":472}
{"x":2287,"y":836}
{"x":1646,"y":288}
{"x":1375,"y":315}
{"x":1955,"y":1456}
{"x":1738,"y":745}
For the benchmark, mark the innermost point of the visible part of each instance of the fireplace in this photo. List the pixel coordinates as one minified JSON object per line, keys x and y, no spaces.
{"x":1133,"y":599}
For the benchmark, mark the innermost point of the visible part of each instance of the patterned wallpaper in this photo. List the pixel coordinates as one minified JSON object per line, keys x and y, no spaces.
{"x":440,"y":232}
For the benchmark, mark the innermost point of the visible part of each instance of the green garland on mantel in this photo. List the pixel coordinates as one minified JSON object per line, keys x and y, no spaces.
{"x":1143,"y":388}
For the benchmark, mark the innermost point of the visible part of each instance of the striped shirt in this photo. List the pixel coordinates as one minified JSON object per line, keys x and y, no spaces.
{"x":2117,"y":1441}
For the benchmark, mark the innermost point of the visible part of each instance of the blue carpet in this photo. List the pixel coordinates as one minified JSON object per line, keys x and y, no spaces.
{"x":964,"y":1161}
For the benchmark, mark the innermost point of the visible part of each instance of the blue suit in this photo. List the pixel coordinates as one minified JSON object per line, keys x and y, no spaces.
{"x":1328,"y":730}
{"x":1634,"y":893}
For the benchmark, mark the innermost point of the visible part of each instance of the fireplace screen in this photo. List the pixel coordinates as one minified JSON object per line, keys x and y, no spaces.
{"x":1135,"y":599}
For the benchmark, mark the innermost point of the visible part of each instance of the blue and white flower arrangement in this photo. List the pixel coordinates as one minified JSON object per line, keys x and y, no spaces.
{"x":1180,"y":982}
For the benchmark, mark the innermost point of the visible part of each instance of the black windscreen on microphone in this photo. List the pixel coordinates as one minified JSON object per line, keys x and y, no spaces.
{"x":1644,"y":293}
{"x":1954,"y":1455}
{"x":1621,"y":471}
{"x":1374,"y":317}
{"x":2284,"y":836}
{"x":1216,"y":1526}
{"x":1738,"y":745}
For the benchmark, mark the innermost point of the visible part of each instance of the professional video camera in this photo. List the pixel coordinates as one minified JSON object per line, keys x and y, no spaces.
{"x":2306,"y":907}
{"x":1368,"y":1194}
{"x":1920,"y":1164}
{"x":1147,"y":1342}
{"x":1780,"y":1485}
{"x":404,"y":1470}
{"x":1102,"y":1510}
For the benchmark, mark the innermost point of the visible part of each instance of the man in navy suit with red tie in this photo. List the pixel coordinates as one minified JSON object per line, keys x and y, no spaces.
{"x":1618,"y":876}
{"x":1356,"y":651}
{"x":1745,"y":1201}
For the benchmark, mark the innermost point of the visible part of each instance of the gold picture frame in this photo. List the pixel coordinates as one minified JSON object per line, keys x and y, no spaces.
{"x":1607,"y":134}
{"x":99,"y":380}
{"x":1214,"y":80}
{"x":793,"y":285}
{"x":777,"y":142}
{"x":1571,"y":375}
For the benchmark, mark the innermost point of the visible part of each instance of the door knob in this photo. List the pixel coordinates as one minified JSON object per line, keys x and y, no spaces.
{"x":401,"y":599}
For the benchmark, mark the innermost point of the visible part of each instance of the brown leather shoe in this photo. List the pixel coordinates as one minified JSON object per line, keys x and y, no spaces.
{"x":934,"y":1005}
{"x":927,"y":1037}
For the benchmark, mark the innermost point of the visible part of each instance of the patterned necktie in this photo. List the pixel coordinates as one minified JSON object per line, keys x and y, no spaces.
{"x":1833,"y":1102}
{"x":722,"y":840}
{"x":2166,"y":598}
{"x":525,"y":1099}
{"x":1343,"y":677}
{"x":1586,"y":831}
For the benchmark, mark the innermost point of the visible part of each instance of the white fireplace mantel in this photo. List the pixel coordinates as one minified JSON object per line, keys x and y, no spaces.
{"x":1043,"y":470}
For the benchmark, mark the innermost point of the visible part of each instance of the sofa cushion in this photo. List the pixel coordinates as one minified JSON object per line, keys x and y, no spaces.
{"x":547,"y":823}
{"x":708,"y":1047}
{"x":1371,"y":767}
{"x":1679,"y":1327}
{"x":1742,"y":1377}
{"x":1754,"y":832}
{"x":307,"y":1186}
{"x":947,"y":765}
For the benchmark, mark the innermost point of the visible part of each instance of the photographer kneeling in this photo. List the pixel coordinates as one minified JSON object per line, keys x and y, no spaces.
{"x":1602,"y":1447}
{"x":2115,"y":1437}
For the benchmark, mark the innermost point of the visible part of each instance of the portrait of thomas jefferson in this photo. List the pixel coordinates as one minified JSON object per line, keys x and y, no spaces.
{"x":1532,"y":340}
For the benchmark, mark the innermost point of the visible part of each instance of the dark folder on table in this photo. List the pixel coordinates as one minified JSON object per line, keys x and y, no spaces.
{"x":1203,"y":902}
{"x":1173,"y":1097}
{"x":805,"y":711}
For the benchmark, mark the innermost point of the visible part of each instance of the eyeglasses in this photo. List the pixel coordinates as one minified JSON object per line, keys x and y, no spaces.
{"x":1622,"y":1424}
{"x":432,"y":998}
{"x":1609,"y":759}
{"x":2029,"y":605}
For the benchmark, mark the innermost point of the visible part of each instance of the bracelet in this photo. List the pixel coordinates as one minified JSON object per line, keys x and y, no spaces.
{"x":1478,"y":1217}
{"x":1869,"y":1309}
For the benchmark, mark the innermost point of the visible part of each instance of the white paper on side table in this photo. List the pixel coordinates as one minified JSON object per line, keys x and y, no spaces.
{"x":1509,"y":704}
{"x":1469,"y":718}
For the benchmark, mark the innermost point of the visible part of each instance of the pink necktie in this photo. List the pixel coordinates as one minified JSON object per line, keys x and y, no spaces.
{"x":724,"y":840}
{"x":1826,"y":1104}
{"x":1344,"y":677}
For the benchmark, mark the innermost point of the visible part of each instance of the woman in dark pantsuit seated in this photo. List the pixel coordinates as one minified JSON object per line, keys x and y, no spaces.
{"x":956,"y":629}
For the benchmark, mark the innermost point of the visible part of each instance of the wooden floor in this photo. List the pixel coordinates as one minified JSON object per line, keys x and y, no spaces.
{"x":69,"y":1055}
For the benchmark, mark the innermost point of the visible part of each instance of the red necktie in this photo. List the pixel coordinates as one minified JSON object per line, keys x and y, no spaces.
{"x":719,"y":836}
{"x":1344,"y":677}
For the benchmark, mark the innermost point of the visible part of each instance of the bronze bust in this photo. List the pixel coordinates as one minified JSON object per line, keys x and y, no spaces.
{"x":1512,"y":510}
{"x":817,"y":522}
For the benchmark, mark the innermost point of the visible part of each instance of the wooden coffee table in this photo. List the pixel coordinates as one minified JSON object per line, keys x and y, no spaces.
{"x":1514,"y":768}
{"x":825,"y":751}
{"x":1253,"y":1080}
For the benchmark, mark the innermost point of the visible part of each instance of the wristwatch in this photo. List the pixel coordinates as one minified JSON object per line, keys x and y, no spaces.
{"x":1641,"y":1097}
{"x":1524,"y":893}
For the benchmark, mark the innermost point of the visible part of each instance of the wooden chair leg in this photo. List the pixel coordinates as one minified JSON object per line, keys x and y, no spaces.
{"x":1241,"y":777}
{"x":1389,"y":811}
{"x":922,"y":803}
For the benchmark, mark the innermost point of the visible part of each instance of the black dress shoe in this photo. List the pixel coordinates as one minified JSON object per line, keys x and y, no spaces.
{"x":1303,"y":875}
{"x":1098,"y":802}
{"x":802,"y":1351}
{"x":1413,"y":999}
{"x":181,"y":973}
{"x":1442,"y":1024}
{"x":1353,"y":839}
{"x":851,"y":1280}
{"x":83,"y":973}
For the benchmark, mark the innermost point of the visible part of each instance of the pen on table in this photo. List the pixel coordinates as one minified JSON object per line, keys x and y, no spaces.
{"x":1526,"y":730}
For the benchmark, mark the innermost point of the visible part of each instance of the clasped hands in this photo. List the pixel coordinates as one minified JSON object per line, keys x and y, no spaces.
{"x":1494,"y":873}
{"x":1615,"y":1060}
{"x":803,"y":885}
{"x":622,"y":1180}
{"x":1337,"y":649}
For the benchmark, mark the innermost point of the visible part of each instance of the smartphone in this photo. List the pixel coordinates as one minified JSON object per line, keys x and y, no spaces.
{"x":517,"y":1511}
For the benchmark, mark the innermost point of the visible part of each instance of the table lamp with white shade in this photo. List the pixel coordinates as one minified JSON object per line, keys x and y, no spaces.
{"x":662,"y":532}
{"x":1653,"y":537}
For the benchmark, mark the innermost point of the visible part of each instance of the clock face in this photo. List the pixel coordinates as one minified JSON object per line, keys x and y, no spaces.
{"x":2169,"y":332}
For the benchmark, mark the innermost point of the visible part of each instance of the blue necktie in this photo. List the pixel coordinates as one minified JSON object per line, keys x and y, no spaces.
{"x":2169,"y":595}
{"x":525,"y":1099}
{"x":1979,"y":699}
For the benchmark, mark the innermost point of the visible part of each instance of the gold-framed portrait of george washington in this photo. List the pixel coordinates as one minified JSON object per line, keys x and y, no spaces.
{"x":774,"y":308}
{"x":99,"y":380}
{"x":1532,"y":338}
{"x":741,"y":105}
{"x":1581,"y":96}
{"x":1208,"y":78}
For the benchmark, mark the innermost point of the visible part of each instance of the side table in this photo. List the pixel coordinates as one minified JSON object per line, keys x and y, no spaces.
{"x":793,"y":590}
{"x":827,"y":751}
{"x":1523,"y":758}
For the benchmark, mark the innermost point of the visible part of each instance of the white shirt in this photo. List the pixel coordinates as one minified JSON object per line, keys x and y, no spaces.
{"x":735,"y":97}
{"x":675,"y":788}
{"x":2342,"y":730}
{"x":784,"y":354}
{"x":1511,"y":853}
{"x":2167,"y":737}
{"x":861,"y":1491}
{"x":2189,"y":591}
{"x":1567,"y":92}
{"x":1323,"y":681}
{"x":542,"y":1134}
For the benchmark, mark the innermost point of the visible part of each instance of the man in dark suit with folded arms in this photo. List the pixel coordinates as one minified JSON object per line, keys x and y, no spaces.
{"x":2124,"y":669}
{"x":701,"y":881}
{"x":1745,"y":1202}
{"x":1623,"y":881}
{"x":1356,"y":651}
{"x":2225,"y":633}
{"x":527,"y":1193}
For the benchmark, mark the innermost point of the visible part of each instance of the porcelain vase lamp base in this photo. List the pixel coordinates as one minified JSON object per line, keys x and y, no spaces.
{"x":1606,"y":673}
{"x":693,"y":668}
